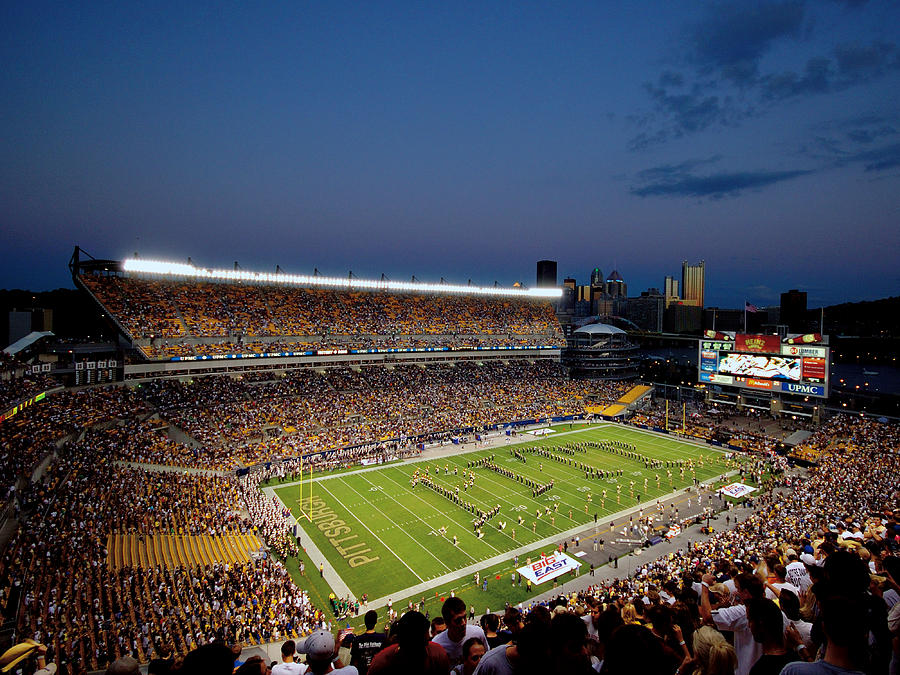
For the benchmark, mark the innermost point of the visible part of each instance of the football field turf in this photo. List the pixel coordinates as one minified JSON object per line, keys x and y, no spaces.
{"x":383,"y":536}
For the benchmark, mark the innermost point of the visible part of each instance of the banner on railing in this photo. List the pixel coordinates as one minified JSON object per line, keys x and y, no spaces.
{"x":549,"y":567}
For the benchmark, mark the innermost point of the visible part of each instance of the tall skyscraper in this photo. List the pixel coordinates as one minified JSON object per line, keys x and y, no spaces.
{"x":793,"y":310}
{"x":616,"y":286}
{"x":670,"y":290}
{"x":546,"y":274}
{"x":693,"y":283}
{"x":596,"y":277}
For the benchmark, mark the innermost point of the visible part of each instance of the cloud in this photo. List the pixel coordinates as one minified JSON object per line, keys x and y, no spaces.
{"x":815,"y":79}
{"x":849,"y":141}
{"x":733,"y":37}
{"x":681,"y":112}
{"x":864,"y":136}
{"x":682,"y":180}
{"x":860,"y":63}
{"x":876,"y":159}
{"x":722,"y":81}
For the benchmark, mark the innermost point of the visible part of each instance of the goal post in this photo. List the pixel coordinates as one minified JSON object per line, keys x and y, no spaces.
{"x":304,"y":498}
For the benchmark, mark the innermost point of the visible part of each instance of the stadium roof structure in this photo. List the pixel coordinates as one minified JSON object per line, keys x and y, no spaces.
{"x":27,"y":341}
{"x":600,"y":329}
{"x":190,"y":271}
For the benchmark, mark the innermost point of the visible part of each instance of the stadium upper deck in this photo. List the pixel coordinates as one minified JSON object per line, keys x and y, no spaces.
{"x":183,"y":318}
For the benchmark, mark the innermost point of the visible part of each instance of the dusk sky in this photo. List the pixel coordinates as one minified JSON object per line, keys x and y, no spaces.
{"x":463,"y":140}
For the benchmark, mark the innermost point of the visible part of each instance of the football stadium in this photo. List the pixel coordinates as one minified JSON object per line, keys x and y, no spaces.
{"x":269,"y":457}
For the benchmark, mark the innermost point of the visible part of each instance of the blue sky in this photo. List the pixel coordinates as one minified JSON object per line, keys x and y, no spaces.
{"x":463,"y":140}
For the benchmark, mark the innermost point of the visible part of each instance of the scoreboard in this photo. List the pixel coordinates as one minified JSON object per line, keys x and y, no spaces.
{"x":798,"y":365}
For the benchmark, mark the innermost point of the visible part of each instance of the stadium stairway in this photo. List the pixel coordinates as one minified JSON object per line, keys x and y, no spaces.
{"x":171,"y":550}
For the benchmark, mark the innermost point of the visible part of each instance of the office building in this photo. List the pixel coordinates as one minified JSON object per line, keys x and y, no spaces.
{"x":671,"y":290}
{"x":546,"y":274}
{"x":693,"y":284}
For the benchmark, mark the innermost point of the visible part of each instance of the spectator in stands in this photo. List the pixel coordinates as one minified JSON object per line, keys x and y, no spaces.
{"x":473,"y":649}
{"x":767,"y":627}
{"x":713,"y":655}
{"x":634,"y":649}
{"x":214,"y":658}
{"x":289,"y":665}
{"x":320,"y":651}
{"x":124,"y":665}
{"x":528,"y":653}
{"x":458,"y":631}
{"x":367,"y":645}
{"x":845,"y":630}
{"x":255,"y":665}
{"x":735,"y":618}
{"x":413,"y":652}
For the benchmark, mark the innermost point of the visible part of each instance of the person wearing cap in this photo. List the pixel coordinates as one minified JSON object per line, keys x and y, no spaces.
{"x":320,"y":651}
{"x":288,"y":665}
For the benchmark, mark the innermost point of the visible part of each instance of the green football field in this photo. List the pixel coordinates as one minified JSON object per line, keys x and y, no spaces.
{"x":383,"y":536}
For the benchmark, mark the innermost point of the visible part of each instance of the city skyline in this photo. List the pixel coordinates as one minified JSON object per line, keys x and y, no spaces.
{"x":460,"y":142}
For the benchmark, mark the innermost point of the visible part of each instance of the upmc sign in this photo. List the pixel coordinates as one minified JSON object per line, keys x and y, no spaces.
{"x":804,"y":389}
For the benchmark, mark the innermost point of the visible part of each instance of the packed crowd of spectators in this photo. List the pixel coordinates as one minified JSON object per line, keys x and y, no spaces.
{"x":27,"y":437}
{"x":16,"y":384}
{"x":830,"y":539}
{"x":161,"y":313}
{"x":308,"y":412}
{"x":56,"y":569}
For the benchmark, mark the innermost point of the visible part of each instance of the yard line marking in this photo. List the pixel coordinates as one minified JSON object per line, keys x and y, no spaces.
{"x":437,"y":511}
{"x":376,"y":536}
{"x":443,"y":564}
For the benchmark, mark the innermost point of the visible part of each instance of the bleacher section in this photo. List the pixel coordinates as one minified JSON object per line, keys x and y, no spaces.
{"x":632,"y":396}
{"x":172,"y":550}
{"x":187,"y":319}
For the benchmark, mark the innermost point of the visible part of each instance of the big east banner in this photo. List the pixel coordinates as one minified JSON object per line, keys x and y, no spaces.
{"x":737,"y":490}
{"x":549,"y":567}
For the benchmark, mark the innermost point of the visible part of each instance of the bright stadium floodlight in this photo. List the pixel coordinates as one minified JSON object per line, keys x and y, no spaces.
{"x":175,"y":269}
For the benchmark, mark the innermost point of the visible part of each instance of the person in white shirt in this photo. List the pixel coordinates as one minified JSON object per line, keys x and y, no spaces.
{"x":288,"y":665}
{"x":795,"y":572}
{"x":458,"y":631}
{"x":735,"y":618}
{"x":773,"y":590}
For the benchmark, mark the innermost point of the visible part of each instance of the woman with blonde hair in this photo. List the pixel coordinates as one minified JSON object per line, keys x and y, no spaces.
{"x":629,"y":615}
{"x":712,"y":654}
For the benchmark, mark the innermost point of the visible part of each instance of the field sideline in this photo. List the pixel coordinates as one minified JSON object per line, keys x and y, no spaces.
{"x":382,"y":537}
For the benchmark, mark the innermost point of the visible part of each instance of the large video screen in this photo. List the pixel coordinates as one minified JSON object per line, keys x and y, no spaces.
{"x":765,"y":363}
{"x":765,"y":366}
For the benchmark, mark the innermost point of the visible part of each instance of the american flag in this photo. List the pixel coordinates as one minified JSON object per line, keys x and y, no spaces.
{"x":749,"y":307}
